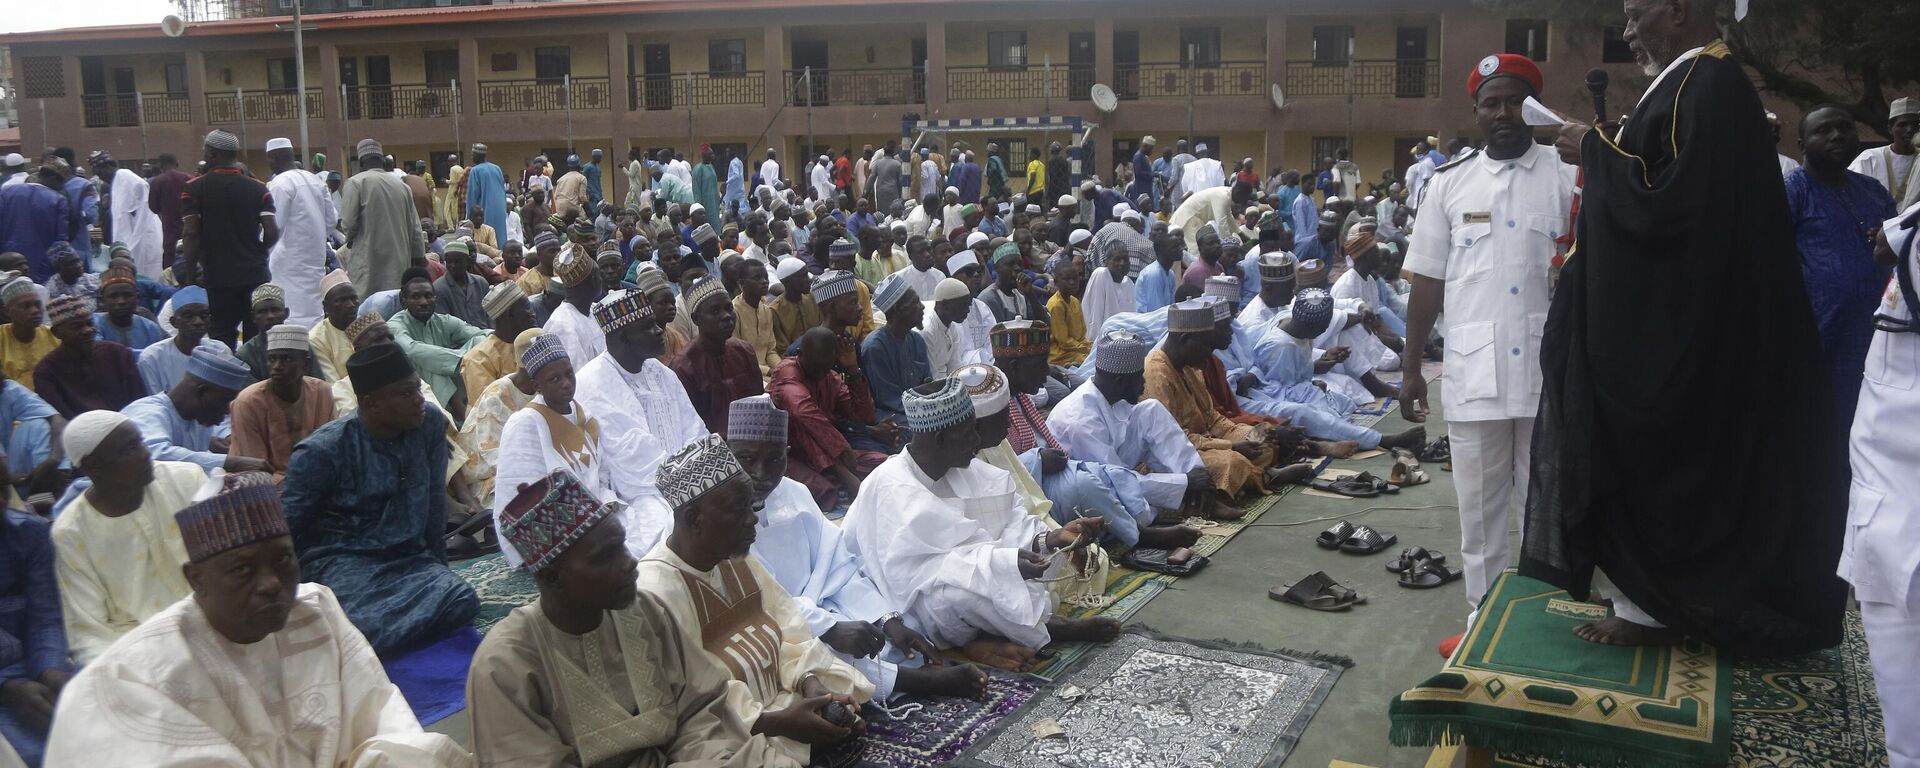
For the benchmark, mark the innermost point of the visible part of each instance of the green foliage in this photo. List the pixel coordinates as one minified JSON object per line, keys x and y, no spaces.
{"x":1860,"y":54}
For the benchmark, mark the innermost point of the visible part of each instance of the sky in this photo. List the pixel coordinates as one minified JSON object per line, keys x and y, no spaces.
{"x":36,"y":15}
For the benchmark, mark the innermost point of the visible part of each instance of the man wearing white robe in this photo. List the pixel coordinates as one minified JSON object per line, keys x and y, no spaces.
{"x":1897,"y":165}
{"x":644,"y":413}
{"x":253,"y":668}
{"x":298,"y":260}
{"x":1105,"y":421}
{"x":582,"y":337}
{"x":1203,"y":172}
{"x":1109,"y":292}
{"x":133,"y":222}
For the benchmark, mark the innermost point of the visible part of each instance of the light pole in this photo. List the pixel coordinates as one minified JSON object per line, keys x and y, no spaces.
{"x":300,"y":76}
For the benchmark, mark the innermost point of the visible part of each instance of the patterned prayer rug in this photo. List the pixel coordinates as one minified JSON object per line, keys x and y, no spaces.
{"x":1522,"y":681}
{"x":1150,"y":701}
{"x":934,"y":734}
{"x":501,"y":588}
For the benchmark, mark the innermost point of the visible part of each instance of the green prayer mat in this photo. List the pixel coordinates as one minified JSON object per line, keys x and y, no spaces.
{"x":501,"y":588}
{"x":1521,"y":681}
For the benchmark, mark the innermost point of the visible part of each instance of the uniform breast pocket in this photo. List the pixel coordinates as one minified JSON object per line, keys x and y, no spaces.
{"x":1468,"y":263}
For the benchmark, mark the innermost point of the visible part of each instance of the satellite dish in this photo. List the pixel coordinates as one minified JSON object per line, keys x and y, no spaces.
{"x":173,"y":26}
{"x":1104,"y":99}
{"x":1279,"y":97}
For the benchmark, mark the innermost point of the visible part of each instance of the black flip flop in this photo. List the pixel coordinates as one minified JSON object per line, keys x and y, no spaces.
{"x":1155,"y":561}
{"x":1428,"y":574}
{"x":1317,"y":592}
{"x":1379,"y":486}
{"x":1411,"y":556}
{"x":1438,"y":450}
{"x":1349,"y":486}
{"x":1367,"y":541}
{"x":1332,"y":537}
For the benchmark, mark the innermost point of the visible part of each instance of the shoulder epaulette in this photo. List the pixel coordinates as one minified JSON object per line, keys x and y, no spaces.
{"x":1457,"y":159}
{"x":1717,"y":49}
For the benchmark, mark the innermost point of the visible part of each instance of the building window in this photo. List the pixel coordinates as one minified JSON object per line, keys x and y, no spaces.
{"x":177,"y":79}
{"x":1614,"y":48}
{"x":280,"y":75}
{"x":1013,"y":152}
{"x":1007,"y":50}
{"x":1325,"y":147}
{"x":552,"y":63}
{"x":42,"y":77}
{"x":727,"y":57}
{"x":1332,"y":46}
{"x":1200,"y":45}
{"x":1527,"y":37}
{"x":442,"y":66}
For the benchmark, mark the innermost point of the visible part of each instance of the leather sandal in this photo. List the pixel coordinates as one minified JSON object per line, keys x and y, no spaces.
{"x":1350,"y":487}
{"x":1332,"y":537}
{"x":1438,"y":450}
{"x":1428,"y":574}
{"x":1317,"y":592}
{"x":1367,"y":541}
{"x":1412,"y":556}
{"x":1178,"y":562}
{"x":1404,"y":475}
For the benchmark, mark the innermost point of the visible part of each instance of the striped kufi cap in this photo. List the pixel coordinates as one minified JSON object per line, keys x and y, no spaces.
{"x":501,"y":298}
{"x":703,"y":465}
{"x":756,"y":419}
{"x":230,"y":512}
{"x":1122,"y":352}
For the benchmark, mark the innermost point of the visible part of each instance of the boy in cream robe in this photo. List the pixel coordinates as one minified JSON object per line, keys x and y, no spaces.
{"x":552,"y":433}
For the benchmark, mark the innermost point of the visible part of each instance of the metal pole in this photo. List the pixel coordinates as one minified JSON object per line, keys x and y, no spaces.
{"x":1351,"y":65}
{"x":1193,"y":52}
{"x":346,"y":133}
{"x":1046,"y":84}
{"x":300,"y":76}
{"x":455,"y":98}
{"x":140,"y":108}
{"x":807,"y":77}
{"x":566,"y":84}
{"x":43,"y":123}
{"x":689,"y":100}
{"x":240,"y":106}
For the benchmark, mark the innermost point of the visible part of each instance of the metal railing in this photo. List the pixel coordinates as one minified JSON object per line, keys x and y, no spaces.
{"x":866,"y":87}
{"x":581,"y":93}
{"x":1031,"y":82}
{"x":253,"y":106}
{"x":165,"y":107}
{"x":1398,"y":78}
{"x":1169,"y":79}
{"x":110,"y":110}
{"x":384,"y":102}
{"x":699,"y":89}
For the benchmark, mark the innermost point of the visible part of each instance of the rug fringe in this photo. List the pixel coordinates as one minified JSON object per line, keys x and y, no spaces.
{"x":1343,"y":662}
{"x":1408,"y":731}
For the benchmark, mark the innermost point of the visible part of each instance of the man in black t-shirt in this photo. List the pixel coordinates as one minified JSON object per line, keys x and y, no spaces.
{"x":227,"y":227}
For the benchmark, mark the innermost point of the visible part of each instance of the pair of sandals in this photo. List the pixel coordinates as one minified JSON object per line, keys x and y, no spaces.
{"x":1318,"y":592}
{"x":1406,"y":470}
{"x":1355,"y":539}
{"x":1422,"y":568}
{"x":1177,"y":562}
{"x":1358,"y":486}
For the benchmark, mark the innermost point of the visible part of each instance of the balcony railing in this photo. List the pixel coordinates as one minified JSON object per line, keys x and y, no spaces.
{"x":581,"y":93}
{"x":110,"y":110}
{"x":865,"y":87}
{"x":1031,"y":82}
{"x":1171,"y":79}
{"x":383,"y":102}
{"x":259,"y":106}
{"x":704,"y":89}
{"x":165,"y":107}
{"x":1398,"y":78}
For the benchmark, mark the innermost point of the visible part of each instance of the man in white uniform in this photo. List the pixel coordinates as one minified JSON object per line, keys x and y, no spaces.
{"x":1884,"y":506}
{"x":1481,"y":249}
{"x":299,"y":258}
{"x":1893,"y":165}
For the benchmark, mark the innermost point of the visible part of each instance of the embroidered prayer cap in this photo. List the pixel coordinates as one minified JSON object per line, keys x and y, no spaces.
{"x":546,"y":240}
{"x":64,"y":308}
{"x":479,"y":148}
{"x":221,"y":140}
{"x":1190,"y":316}
{"x":187,"y":296}
{"x":937,"y":405}
{"x":501,"y":298}
{"x":986,"y":388}
{"x":889,"y":292}
{"x":950,"y":288}
{"x":117,"y":273}
{"x":832,"y":284}
{"x":334,"y":279}
{"x":1359,"y":241}
{"x":1079,"y":236}
{"x":219,"y":369}
{"x":86,"y":431}
{"x":458,"y":246}
{"x":1007,"y":250}
{"x":1276,"y":267}
{"x":362,"y":324}
{"x":756,"y":419}
{"x":547,"y":516}
{"x":962,"y":261}
{"x":1313,"y":306}
{"x":704,"y":234}
{"x":581,"y":228}
{"x":693,"y":471}
{"x":1903,"y":106}
{"x":789,"y":267}
{"x":1229,"y":240}
{"x":1021,"y":338}
{"x":1501,"y":65}
{"x":620,"y":308}
{"x":245,"y":509}
{"x":1224,"y":286}
{"x":843,"y":247}
{"x":268,"y":292}
{"x":573,"y":267}
{"x":707,"y":288}
{"x":1122,"y":352}
{"x":1221,"y":309}
{"x":544,"y":351}
{"x":287,"y":336}
{"x":1312,"y":272}
{"x":367,"y":148}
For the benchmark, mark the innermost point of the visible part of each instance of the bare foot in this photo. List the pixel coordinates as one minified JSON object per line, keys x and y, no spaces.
{"x":1098,"y":630}
{"x":1290,"y":474}
{"x":1619,"y":631}
{"x":1169,"y":536}
{"x":1217,"y":509}
{"x":1338,"y":449}
{"x":999,"y":654}
{"x":1602,"y":601}
{"x":1411,"y":439}
{"x":962,"y":680}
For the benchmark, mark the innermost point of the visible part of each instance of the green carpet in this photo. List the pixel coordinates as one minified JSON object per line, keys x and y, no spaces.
{"x":1522,"y":681}
{"x":501,"y":588}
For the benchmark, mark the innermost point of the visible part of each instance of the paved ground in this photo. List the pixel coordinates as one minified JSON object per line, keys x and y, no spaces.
{"x":1391,"y":639}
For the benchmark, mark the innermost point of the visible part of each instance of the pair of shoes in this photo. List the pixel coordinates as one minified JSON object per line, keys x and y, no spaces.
{"x":1411,"y":556}
{"x":1355,"y":539}
{"x":1178,"y":562}
{"x":1438,"y":450}
{"x":1406,"y":472}
{"x":1318,"y":592}
{"x":1426,"y":573}
{"x":1358,"y":486}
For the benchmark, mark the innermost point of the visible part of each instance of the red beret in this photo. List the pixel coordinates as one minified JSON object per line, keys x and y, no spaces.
{"x":1504,"y":65}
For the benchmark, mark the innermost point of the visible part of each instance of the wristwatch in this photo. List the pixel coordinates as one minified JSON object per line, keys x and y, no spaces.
{"x":883,"y":621}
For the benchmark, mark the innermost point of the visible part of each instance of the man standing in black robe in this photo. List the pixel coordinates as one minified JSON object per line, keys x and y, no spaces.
{"x":1679,"y":446}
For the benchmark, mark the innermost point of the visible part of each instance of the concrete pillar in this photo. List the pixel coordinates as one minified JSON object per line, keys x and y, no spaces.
{"x":620,"y":81}
{"x":1276,"y":73}
{"x":774,"y":54}
{"x":196,"y":93}
{"x":1103,"y":72}
{"x":324,"y":133}
{"x":469,"y":86}
{"x":936,"y":69}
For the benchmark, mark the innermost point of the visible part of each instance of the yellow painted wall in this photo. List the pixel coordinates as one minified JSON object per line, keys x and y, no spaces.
{"x":589,"y":56}
{"x":1374,"y":35}
{"x":847,"y":47}
{"x":1372,"y":151}
{"x":688,"y":48}
{"x":967,"y":41}
{"x":1240,"y":39}
{"x":149,"y":70}
{"x":408,"y":63}
{"x":249,"y":69}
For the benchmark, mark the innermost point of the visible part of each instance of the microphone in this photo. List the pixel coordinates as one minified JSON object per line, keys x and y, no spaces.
{"x":1597,"y":86}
